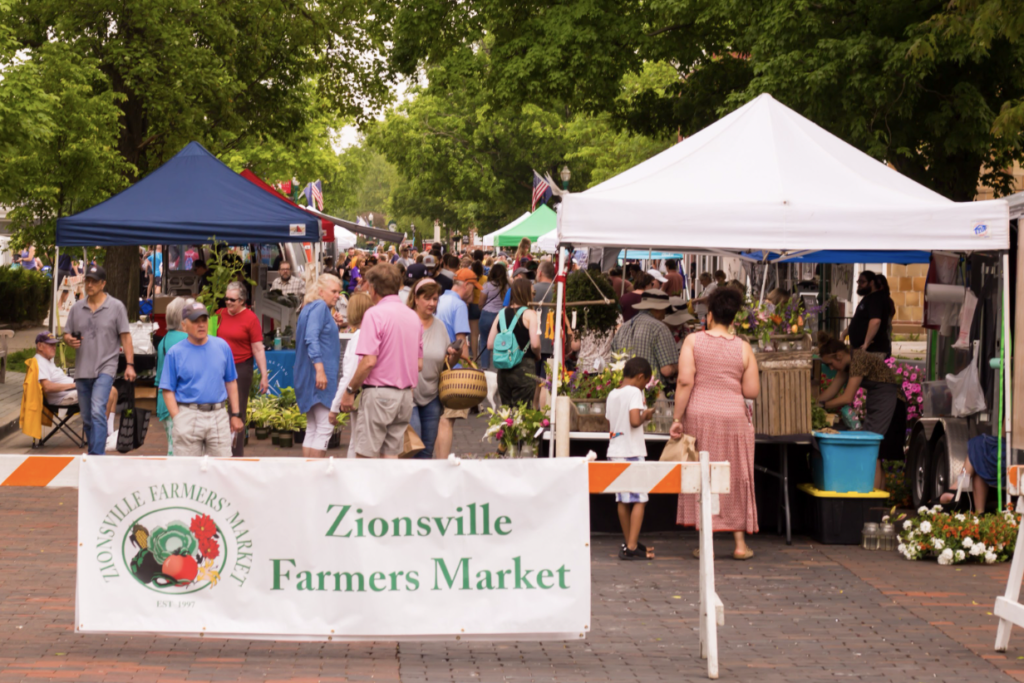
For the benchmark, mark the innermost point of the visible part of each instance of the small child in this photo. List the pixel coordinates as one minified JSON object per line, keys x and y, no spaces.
{"x":627,"y":411}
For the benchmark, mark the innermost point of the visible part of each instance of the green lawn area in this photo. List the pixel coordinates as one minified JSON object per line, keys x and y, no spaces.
{"x":16,"y":360}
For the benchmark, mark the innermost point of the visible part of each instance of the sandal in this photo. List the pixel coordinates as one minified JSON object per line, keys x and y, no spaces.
{"x":627,"y":554}
{"x":647,"y":552}
{"x":744,"y":556}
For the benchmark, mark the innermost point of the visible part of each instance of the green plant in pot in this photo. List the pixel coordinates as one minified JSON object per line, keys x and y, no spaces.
{"x":224,"y":268}
{"x":595,"y":322}
{"x":288,"y":424}
{"x":260,"y":414}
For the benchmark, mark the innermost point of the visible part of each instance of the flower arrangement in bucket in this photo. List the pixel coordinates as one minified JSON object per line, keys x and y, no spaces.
{"x":512,"y":426}
{"x":959,"y":537}
{"x":760,"y":321}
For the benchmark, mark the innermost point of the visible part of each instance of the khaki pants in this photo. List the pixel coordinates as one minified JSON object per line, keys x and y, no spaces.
{"x":196,"y":433}
{"x":384,"y":414}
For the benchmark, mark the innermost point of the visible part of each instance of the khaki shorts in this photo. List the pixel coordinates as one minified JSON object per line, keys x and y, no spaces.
{"x":196,"y":433}
{"x":383,"y":416}
{"x":455,"y":414}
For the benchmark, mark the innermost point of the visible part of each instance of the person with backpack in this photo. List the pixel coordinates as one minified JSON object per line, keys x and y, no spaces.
{"x":513,"y":333}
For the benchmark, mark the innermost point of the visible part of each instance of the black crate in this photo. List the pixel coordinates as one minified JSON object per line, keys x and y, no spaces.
{"x":837,"y":519}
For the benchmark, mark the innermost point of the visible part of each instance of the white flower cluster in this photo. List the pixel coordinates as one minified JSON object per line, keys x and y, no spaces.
{"x":967,"y":542}
{"x":946,"y":557}
{"x":938,"y":543}
{"x":926,"y":527}
{"x":978,"y":549}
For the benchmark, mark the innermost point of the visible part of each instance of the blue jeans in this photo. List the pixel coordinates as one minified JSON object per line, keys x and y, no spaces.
{"x":486,"y":320}
{"x":424,"y":422}
{"x":93,"y":395}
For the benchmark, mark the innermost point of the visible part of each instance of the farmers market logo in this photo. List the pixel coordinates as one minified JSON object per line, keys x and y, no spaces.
{"x":175,"y":557}
{"x":175,"y":538}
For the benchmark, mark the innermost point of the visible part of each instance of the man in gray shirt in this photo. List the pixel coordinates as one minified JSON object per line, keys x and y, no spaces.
{"x":97,"y":328}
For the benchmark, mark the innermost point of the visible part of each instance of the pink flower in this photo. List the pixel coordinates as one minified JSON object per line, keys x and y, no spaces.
{"x":509,"y":422}
{"x":500,"y":434}
{"x":913,"y":377}
{"x":545,"y":423}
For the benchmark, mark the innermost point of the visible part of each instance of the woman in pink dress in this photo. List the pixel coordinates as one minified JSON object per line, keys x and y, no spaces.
{"x":717,"y":371}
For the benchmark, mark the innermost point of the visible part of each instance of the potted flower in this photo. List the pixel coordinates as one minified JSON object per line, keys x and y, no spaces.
{"x":287,"y":426}
{"x":259,"y":413}
{"x":514,"y":429}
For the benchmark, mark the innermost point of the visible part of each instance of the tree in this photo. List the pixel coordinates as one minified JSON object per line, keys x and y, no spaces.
{"x":919,"y":85}
{"x":221,"y":73}
{"x":58,"y":136}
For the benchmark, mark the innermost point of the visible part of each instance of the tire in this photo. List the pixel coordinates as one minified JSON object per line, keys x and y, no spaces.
{"x":939,"y":474}
{"x":918,"y":455}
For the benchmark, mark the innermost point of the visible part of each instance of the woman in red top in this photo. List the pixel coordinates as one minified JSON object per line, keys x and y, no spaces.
{"x":241,"y":329}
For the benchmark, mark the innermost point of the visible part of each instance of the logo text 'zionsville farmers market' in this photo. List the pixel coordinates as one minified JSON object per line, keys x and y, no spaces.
{"x":174,"y":538}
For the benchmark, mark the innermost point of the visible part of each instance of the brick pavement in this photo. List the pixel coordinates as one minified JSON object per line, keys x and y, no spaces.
{"x":800,"y":613}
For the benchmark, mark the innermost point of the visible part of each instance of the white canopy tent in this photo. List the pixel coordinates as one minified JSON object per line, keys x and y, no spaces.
{"x":766,"y":177}
{"x":489,"y":238}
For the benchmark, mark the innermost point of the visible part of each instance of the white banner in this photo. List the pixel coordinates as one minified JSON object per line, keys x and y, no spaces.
{"x":350,"y":550}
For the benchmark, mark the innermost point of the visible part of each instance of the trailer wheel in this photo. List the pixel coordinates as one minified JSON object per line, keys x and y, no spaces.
{"x":918,"y":455}
{"x":939,"y":476}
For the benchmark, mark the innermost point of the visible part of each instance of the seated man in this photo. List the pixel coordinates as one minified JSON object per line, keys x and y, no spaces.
{"x":288,"y":284}
{"x":58,"y":388}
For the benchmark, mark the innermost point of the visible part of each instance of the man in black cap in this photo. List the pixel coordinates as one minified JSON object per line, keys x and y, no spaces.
{"x":97,"y":329}
{"x":198,"y":380}
{"x":57,"y":386}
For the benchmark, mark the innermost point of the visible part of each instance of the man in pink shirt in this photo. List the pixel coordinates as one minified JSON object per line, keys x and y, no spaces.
{"x":390,"y":351}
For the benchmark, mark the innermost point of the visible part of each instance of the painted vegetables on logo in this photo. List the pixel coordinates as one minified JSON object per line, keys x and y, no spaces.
{"x":176,"y":555}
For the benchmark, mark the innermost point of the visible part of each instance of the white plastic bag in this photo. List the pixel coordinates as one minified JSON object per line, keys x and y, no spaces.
{"x":968,"y":397}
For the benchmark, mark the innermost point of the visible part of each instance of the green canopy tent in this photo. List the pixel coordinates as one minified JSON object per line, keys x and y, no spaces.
{"x":541,"y":222}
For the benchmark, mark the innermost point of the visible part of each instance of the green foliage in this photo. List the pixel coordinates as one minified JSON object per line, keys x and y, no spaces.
{"x":25,"y":295}
{"x":599,"y":318}
{"x":935,"y":89}
{"x":58,"y":138}
{"x":225,"y":268}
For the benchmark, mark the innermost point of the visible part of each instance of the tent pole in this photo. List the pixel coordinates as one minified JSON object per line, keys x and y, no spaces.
{"x":54,"y":312}
{"x":556,"y":358}
{"x":1005,"y":363}
{"x":764,"y":281}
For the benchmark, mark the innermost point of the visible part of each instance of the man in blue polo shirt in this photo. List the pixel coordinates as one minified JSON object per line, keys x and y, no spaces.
{"x":198,"y":378}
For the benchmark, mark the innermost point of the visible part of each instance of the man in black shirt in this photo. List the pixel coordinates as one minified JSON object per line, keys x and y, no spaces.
{"x":869,"y":328}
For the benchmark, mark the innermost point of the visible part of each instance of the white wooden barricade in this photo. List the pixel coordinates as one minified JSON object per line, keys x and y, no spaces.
{"x":1007,"y":607}
{"x":705,"y":478}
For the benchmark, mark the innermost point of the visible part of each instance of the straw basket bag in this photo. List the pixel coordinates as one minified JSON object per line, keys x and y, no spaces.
{"x":462,"y":388}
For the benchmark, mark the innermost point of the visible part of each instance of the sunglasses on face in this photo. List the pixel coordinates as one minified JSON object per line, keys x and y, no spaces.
{"x":231,"y":301}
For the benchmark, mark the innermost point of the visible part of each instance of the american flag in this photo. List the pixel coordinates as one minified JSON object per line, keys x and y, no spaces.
{"x":318,"y":195}
{"x":541,"y":191}
{"x":314,"y":196}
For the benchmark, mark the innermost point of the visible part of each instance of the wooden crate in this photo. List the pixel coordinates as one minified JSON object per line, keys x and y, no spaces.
{"x":784,"y":404}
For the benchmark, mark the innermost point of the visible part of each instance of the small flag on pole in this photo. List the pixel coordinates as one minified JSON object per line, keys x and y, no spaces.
{"x":541,"y":191}
{"x":318,"y":195}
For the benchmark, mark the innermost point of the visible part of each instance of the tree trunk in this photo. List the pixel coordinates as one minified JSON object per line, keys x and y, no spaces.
{"x":122,"y":266}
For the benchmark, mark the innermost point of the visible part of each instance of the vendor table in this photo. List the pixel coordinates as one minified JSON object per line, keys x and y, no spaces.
{"x":782,"y":475}
{"x":585,"y":440}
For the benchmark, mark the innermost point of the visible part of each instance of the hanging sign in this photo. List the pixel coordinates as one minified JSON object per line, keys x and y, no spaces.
{"x":325,"y":550}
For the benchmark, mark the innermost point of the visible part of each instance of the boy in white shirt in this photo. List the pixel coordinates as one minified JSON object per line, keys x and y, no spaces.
{"x":627,"y":411}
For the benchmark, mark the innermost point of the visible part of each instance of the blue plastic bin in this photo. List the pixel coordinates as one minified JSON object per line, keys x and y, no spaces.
{"x":846,"y":463}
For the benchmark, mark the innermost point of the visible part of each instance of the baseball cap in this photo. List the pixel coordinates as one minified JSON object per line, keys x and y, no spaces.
{"x":194,"y":311}
{"x":429,"y":261}
{"x":522,"y":271}
{"x":95,"y":273}
{"x":467,"y":275}
{"x":46,"y":338}
{"x":415,"y":271}
{"x":656,"y":274}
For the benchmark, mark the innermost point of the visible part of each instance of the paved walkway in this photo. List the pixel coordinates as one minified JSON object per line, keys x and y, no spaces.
{"x":800,"y":613}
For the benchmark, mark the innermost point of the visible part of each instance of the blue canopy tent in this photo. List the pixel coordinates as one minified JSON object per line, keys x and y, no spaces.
{"x":835,"y":256}
{"x":190,"y":199}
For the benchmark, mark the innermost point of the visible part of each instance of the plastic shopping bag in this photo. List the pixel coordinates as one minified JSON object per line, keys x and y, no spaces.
{"x":968,"y":397}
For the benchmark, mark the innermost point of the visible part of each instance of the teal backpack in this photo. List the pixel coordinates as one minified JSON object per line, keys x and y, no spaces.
{"x":506,"y":353}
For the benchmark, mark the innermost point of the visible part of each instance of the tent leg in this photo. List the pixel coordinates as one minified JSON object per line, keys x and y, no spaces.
{"x":556,"y":358}
{"x":54,"y":309}
{"x":1007,"y":371}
